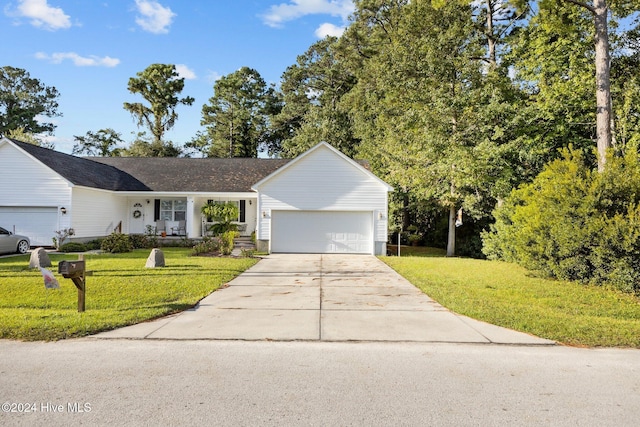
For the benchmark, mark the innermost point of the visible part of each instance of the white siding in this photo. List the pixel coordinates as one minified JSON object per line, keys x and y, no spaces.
{"x":324,"y":181}
{"x":96,"y":213}
{"x":25,"y":181}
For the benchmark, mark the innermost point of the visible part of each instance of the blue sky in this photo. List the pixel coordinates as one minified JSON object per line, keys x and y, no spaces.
{"x":88,"y":50}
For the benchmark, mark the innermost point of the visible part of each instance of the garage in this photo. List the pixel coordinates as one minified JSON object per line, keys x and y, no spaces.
{"x":322,"y":202}
{"x":322,"y":232}
{"x":37,"y":223}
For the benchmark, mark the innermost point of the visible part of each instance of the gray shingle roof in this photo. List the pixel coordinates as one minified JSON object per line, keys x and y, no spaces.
{"x":84,"y":172}
{"x":195,"y":175}
{"x":168,"y":174}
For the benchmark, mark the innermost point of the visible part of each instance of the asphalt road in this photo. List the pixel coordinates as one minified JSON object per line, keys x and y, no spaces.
{"x":157,"y":382}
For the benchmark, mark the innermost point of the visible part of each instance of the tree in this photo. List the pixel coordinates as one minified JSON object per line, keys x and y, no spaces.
{"x":626,"y":91}
{"x":558,"y":110}
{"x":20,"y":135}
{"x":235,"y":118}
{"x":104,"y":143}
{"x":431,"y":118}
{"x":160,"y":85}
{"x":312,"y":90}
{"x":143,"y":146}
{"x":25,"y":101}
{"x":599,"y":11}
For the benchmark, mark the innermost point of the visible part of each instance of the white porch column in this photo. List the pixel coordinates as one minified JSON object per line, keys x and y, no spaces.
{"x":190,"y":217}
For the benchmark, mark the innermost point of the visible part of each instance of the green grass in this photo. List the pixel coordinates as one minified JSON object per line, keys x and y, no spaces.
{"x":507,"y":295}
{"x":121,"y":292}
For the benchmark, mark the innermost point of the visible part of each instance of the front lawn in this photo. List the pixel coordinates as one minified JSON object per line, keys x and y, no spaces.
{"x":121,"y":292}
{"x":507,"y":295}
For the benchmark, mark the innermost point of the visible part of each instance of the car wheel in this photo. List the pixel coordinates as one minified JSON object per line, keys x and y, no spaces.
{"x":23,"y":247}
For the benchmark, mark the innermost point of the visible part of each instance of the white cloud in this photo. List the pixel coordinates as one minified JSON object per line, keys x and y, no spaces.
{"x":283,"y":12}
{"x":154,"y":18}
{"x":213,"y":76}
{"x":185,"y":72}
{"x":42,"y":15}
{"x":327,"y":29}
{"x":80,"y":61}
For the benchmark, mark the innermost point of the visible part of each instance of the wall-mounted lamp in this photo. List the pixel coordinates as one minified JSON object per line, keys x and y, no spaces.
{"x":249,"y":201}
{"x":148,"y":201}
{"x":63,"y":210}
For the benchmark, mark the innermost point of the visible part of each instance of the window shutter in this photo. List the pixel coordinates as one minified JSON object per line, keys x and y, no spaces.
{"x":156,"y":209}
{"x":243,"y":210}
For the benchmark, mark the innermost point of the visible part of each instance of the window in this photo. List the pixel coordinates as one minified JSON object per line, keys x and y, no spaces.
{"x":241,"y":204}
{"x":173,"y":210}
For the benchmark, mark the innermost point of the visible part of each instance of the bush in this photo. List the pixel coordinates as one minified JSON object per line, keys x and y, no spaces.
{"x":208,"y":245}
{"x":116,"y":243}
{"x":73,"y":247}
{"x":573,"y":223}
{"x":139,"y":241}
{"x":226,"y":242}
{"x":93,"y":245}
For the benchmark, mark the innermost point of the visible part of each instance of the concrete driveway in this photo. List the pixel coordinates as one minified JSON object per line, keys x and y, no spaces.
{"x":313,"y":297}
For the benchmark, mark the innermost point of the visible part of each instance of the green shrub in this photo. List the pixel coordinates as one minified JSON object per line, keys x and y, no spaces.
{"x":226,"y":241}
{"x":574,"y":223}
{"x":73,"y":247}
{"x":139,"y":241}
{"x":116,"y":243}
{"x":207,"y":245}
{"x":93,"y":245}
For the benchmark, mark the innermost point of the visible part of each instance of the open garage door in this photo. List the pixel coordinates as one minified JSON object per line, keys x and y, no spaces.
{"x":322,"y":232}
{"x":39,"y":224}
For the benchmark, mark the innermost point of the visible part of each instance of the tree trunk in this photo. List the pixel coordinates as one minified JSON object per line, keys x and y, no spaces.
{"x":604,"y":138}
{"x":603,"y":84}
{"x":491,"y":37}
{"x":451,"y":240}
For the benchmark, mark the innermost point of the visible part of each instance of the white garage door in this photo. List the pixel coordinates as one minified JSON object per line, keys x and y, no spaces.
{"x":322,"y":232}
{"x":38,"y":224}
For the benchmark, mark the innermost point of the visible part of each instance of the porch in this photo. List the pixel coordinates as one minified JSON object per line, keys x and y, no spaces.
{"x":180,"y":216}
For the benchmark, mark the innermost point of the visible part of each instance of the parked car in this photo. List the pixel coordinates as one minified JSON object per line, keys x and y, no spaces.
{"x":11,"y":243}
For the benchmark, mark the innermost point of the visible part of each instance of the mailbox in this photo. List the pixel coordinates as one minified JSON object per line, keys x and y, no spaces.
{"x":71,"y":269}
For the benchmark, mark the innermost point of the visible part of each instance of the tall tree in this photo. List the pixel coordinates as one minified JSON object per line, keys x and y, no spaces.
{"x":599,"y":10}
{"x":25,"y":101}
{"x":236,"y":118}
{"x":103,"y":143}
{"x":312,"y":92}
{"x":626,"y":90}
{"x":559,"y":109}
{"x":160,"y":85}
{"x":419,"y":102}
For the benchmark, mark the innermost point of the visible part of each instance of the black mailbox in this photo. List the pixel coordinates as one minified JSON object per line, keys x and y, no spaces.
{"x":71,"y":269}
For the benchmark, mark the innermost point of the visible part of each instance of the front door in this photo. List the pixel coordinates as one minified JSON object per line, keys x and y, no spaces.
{"x":136,"y":221}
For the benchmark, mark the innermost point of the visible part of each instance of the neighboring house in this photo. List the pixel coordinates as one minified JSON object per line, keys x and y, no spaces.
{"x":320,"y":202}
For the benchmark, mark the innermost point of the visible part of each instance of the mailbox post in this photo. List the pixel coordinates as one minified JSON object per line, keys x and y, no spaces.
{"x":75,"y":270}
